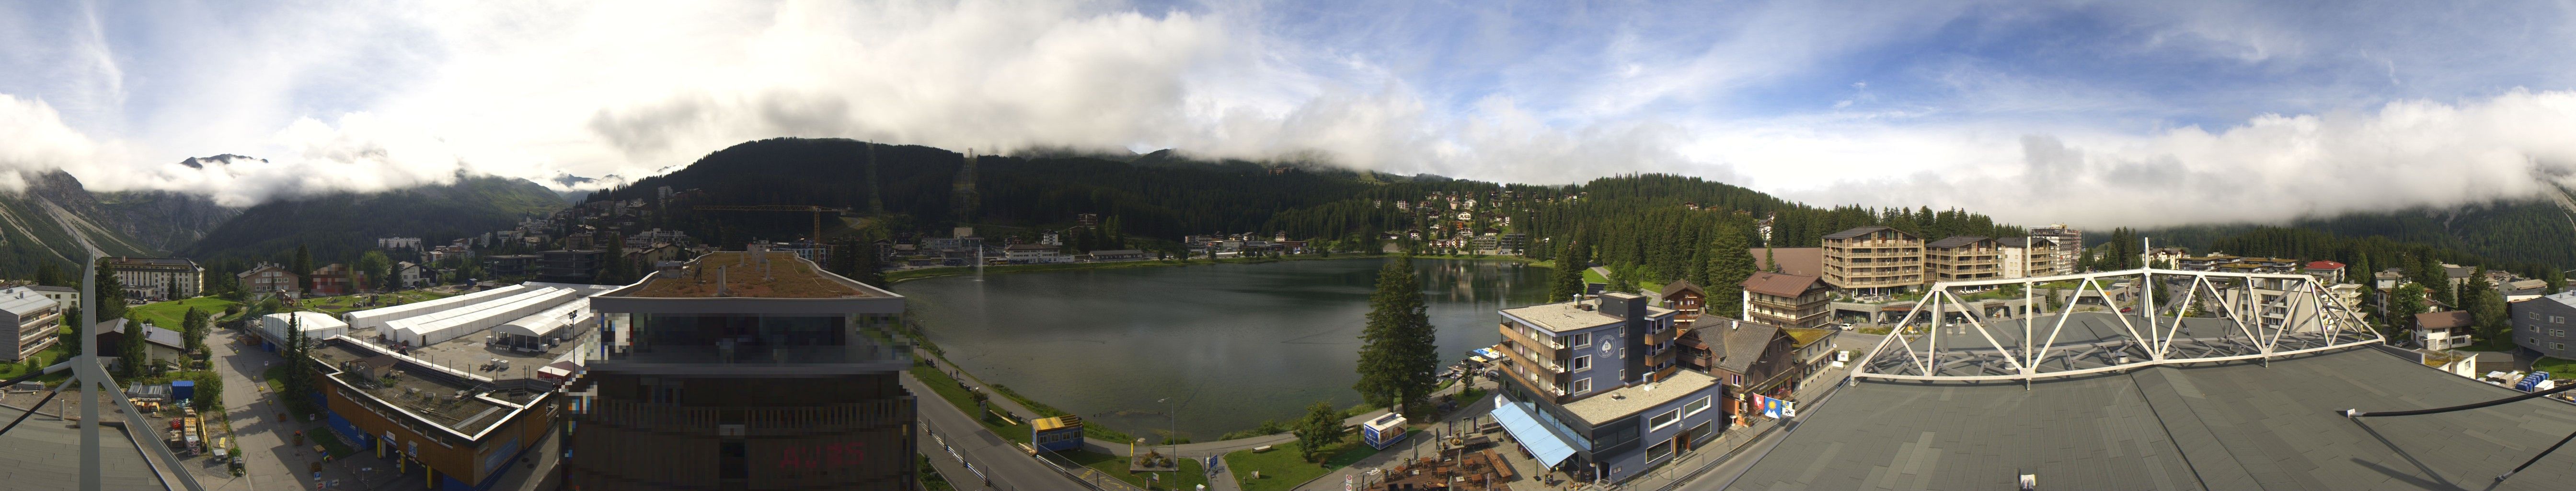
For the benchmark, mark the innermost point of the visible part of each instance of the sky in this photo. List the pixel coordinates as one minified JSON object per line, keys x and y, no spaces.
{"x":2088,"y":112}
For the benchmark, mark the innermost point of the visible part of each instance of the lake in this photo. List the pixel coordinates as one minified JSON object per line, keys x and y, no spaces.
{"x":1234,"y":343}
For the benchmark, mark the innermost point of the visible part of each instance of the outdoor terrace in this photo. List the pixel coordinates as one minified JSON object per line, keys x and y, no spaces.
{"x":742,"y":274}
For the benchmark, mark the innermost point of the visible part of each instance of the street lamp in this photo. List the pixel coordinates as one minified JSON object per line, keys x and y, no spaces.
{"x":1176,"y":433}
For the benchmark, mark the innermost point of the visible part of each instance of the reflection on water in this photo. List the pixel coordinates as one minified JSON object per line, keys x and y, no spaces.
{"x":1236,"y":343}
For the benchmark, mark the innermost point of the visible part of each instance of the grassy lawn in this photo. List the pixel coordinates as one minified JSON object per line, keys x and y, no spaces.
{"x":168,"y":314}
{"x":947,"y":388}
{"x":2503,"y":345}
{"x":2556,"y":367}
{"x":1590,"y":276}
{"x":1281,"y":467}
{"x":49,"y":356}
{"x":321,"y":434}
{"x":1189,"y":477}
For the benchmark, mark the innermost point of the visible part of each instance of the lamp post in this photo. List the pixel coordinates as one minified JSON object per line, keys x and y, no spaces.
{"x":1176,"y":433}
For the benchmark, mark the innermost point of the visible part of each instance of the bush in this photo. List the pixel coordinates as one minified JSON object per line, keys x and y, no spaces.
{"x":210,"y":390}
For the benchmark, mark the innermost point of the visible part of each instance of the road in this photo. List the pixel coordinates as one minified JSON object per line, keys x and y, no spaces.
{"x":268,"y":461}
{"x":1000,"y":460}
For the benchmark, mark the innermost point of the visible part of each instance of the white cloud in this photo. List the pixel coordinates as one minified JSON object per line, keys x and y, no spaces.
{"x":2267,"y":169}
{"x":371,"y":97}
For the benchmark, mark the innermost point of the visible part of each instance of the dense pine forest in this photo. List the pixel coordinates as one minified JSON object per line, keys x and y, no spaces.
{"x":1649,"y":226}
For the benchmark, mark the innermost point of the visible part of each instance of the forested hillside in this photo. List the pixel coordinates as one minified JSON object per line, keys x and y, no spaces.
{"x":2527,"y":236}
{"x":337,"y":227}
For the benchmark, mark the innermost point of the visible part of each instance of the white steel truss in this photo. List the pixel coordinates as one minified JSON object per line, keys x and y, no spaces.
{"x":2099,"y":328}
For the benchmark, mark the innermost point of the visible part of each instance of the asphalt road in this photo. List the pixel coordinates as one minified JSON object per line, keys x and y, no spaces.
{"x":1000,"y":460}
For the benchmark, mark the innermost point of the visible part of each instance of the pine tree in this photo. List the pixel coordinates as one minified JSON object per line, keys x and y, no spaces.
{"x":303,"y":268}
{"x":111,"y":305}
{"x":48,"y":274}
{"x":131,"y":348}
{"x":1730,"y":263}
{"x":2486,"y":308}
{"x":193,"y":327}
{"x":2403,"y":303}
{"x":1771,"y":257}
{"x":72,"y":340}
{"x":1568,"y":279}
{"x":1400,"y":349}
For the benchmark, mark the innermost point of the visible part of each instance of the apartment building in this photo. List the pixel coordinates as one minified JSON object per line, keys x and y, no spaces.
{"x":2541,"y":324}
{"x":777,"y":381}
{"x":2023,"y":257}
{"x":1873,"y":260}
{"x":1963,"y":258}
{"x":1787,"y":300}
{"x":29,"y":323}
{"x":2070,"y":245}
{"x":1686,"y":299}
{"x":270,"y":278}
{"x":1593,"y":389}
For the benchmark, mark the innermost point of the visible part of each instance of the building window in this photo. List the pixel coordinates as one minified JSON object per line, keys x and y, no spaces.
{"x":1701,"y":434}
{"x":1660,"y":451}
{"x":1581,"y":340}
{"x":1659,"y":421}
{"x":1694,"y":407}
{"x":1581,"y":363}
{"x":2557,"y":346}
{"x":1583,"y":386}
{"x":2558,"y":332}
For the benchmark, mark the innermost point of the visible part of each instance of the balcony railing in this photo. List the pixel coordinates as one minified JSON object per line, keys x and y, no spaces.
{"x":760,"y":354}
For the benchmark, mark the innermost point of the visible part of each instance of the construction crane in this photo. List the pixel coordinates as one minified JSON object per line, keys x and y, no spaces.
{"x":816,"y":210}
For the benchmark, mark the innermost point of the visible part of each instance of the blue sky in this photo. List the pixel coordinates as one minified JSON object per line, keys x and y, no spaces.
{"x":2074,"y":111}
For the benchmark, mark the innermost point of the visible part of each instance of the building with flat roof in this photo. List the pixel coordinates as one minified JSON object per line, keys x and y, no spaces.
{"x":1593,"y":387}
{"x":451,"y":428}
{"x":1963,"y":258}
{"x":2228,"y":425}
{"x":1873,"y":259}
{"x":63,"y":296}
{"x":2023,"y":257}
{"x":160,"y":278}
{"x":2542,"y":324}
{"x":2070,"y":245}
{"x":571,"y":265}
{"x":750,"y":370}
{"x":29,"y":323}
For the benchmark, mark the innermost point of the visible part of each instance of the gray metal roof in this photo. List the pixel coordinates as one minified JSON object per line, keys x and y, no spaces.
{"x":22,"y":301}
{"x":1854,"y":232}
{"x":1956,"y":241}
{"x":45,"y":454}
{"x":2235,"y":426}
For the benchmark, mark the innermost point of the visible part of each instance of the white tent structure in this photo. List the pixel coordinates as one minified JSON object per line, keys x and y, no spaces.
{"x":450,"y":324}
{"x":556,"y":323}
{"x":316,"y":325}
{"x":377,"y":318}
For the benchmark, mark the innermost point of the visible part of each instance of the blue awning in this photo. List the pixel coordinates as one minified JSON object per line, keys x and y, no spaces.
{"x":1550,"y":447}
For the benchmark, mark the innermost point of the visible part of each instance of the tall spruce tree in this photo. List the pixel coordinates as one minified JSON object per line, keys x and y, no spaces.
{"x":109,"y":291}
{"x":1729,"y":264}
{"x":2486,"y":308}
{"x":131,"y":349}
{"x":2403,"y":303}
{"x":303,"y":268}
{"x":1399,"y":349}
{"x":1568,"y":279}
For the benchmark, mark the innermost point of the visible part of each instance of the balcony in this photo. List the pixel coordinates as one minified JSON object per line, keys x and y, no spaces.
{"x":758,"y":354}
{"x":1548,"y":345}
{"x":1524,"y":380}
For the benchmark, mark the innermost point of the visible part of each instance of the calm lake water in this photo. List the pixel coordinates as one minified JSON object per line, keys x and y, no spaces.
{"x":1235,"y":343}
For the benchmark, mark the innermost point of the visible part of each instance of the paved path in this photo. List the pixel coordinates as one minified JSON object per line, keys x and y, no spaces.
{"x":269,"y":461}
{"x":1000,"y":459}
